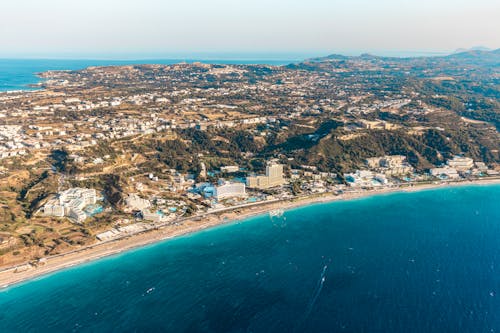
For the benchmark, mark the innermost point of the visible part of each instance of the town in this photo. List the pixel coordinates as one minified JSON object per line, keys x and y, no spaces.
{"x":104,"y":153}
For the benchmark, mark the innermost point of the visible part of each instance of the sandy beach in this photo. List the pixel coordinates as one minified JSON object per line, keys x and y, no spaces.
{"x":14,"y":275}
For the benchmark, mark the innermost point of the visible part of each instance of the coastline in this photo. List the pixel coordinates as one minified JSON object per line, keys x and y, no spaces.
{"x":33,"y":81}
{"x":10,"y":276}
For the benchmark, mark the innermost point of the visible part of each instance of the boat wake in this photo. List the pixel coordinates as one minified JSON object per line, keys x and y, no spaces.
{"x":315,"y":296}
{"x":317,"y":291}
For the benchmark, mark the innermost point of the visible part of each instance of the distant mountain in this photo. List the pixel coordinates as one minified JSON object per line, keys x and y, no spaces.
{"x":340,"y":57}
{"x":470,"y":54}
{"x":478,"y":56}
{"x":475,"y":48}
{"x":329,"y":57}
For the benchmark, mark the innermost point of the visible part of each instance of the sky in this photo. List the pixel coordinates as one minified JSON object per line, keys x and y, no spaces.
{"x":272,"y":28}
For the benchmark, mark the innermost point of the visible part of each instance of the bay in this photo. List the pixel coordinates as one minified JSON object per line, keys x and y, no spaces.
{"x":407,"y":262}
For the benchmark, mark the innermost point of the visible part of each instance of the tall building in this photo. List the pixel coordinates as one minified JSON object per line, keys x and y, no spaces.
{"x":274,"y":173}
{"x":274,"y":177}
{"x":203,"y":171}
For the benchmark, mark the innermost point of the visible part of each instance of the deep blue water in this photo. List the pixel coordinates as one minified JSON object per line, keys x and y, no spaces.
{"x":407,"y":262}
{"x":17,"y":74}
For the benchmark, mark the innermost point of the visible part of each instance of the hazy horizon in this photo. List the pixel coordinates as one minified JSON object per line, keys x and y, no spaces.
{"x":207,"y":56}
{"x":149,"y":29}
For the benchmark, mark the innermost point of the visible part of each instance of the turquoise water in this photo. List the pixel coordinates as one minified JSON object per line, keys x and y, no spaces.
{"x":92,"y":210}
{"x":407,"y":262}
{"x":17,"y":74}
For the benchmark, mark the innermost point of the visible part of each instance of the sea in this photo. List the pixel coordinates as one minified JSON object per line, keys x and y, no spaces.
{"x":426,"y":261}
{"x":19,"y":74}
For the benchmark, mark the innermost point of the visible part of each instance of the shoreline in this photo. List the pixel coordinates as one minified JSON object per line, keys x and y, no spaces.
{"x":36,"y":85}
{"x":10,"y":276}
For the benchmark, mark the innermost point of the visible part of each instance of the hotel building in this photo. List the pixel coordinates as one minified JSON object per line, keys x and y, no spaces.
{"x":230,"y":190}
{"x":71,"y":203}
{"x":273,"y":177}
{"x":461,"y":163}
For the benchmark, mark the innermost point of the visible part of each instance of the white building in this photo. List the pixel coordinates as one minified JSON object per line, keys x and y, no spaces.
{"x":391,"y":165}
{"x":155,"y":217}
{"x":230,"y":190}
{"x":230,"y":168}
{"x":360,"y":178}
{"x":274,"y":177}
{"x":382,"y":179}
{"x":135,"y":202}
{"x":461,"y":163}
{"x":71,"y":203}
{"x":444,"y":172}
{"x":53,"y":208}
{"x":481,"y":166}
